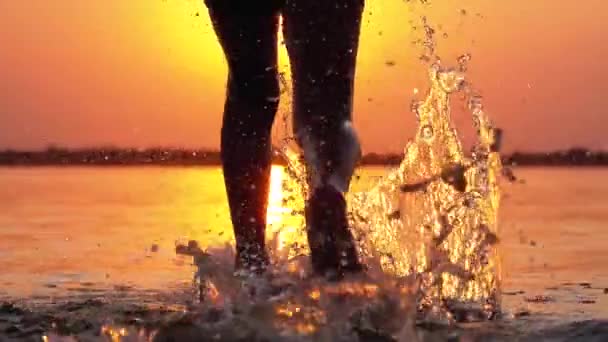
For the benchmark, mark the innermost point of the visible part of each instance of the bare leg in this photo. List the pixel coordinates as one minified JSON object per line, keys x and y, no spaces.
{"x":322,"y":40}
{"x":249,"y":42}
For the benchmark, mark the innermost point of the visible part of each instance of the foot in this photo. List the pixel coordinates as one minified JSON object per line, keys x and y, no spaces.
{"x":251,"y":260}
{"x":332,"y":246}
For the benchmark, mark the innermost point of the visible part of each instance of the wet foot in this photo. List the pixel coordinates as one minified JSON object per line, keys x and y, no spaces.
{"x":251,"y":261}
{"x":332,"y":246}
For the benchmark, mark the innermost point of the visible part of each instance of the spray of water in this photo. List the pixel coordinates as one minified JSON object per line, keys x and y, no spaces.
{"x":427,"y":230}
{"x":431,"y":222}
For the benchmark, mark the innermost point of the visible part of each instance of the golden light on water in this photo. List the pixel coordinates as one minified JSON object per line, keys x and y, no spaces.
{"x":275,"y":196}
{"x":301,"y":319}
{"x":281,"y":228}
{"x":315,"y":294}
{"x":115,"y":334}
{"x":285,"y":221}
{"x":443,"y":233}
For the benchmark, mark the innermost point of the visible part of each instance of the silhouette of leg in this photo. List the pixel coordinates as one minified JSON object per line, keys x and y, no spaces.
{"x":249,"y":42}
{"x":322,"y":41}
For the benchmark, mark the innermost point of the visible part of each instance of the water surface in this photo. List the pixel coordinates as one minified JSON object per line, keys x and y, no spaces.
{"x":72,"y":231}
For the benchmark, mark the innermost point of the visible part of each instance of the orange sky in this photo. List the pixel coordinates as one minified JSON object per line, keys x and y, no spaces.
{"x":150,"y":72}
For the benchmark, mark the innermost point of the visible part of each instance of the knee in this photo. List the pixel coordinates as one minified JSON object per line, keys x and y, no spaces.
{"x":251,"y":107}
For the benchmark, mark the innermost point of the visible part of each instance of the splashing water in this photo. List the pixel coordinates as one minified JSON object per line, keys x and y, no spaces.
{"x":433,"y":220}
{"x":427,"y":230}
{"x":435,"y":217}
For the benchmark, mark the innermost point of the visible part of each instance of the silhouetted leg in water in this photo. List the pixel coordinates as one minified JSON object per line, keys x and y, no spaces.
{"x":249,"y":41}
{"x":322,"y":40}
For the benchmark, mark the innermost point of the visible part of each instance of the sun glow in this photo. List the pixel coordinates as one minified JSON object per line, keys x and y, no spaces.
{"x":284,"y":222}
{"x":275,"y":209}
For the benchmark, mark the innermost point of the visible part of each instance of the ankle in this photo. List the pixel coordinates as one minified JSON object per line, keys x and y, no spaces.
{"x":252,"y":257}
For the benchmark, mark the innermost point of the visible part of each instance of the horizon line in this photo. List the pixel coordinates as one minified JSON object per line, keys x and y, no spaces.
{"x":53,"y":147}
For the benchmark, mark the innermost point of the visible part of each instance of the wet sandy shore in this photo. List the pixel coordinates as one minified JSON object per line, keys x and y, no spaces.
{"x":138,"y":316}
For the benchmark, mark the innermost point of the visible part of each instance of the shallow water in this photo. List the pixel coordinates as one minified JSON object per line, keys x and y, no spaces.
{"x":72,"y":234}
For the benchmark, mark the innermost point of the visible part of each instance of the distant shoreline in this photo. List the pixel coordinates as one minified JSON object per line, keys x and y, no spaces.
{"x":177,"y":166}
{"x":61,"y":157}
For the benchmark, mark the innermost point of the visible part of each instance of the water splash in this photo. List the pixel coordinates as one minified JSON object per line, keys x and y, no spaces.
{"x":427,"y":230}
{"x":432,"y":221}
{"x":435,"y":216}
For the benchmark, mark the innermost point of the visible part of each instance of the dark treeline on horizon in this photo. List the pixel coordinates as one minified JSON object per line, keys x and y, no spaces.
{"x":55,"y":156}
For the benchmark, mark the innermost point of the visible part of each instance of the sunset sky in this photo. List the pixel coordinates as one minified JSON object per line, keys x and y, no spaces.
{"x":139,"y":73}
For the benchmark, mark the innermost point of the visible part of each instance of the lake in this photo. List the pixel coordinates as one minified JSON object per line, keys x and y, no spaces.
{"x":66,"y":231}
